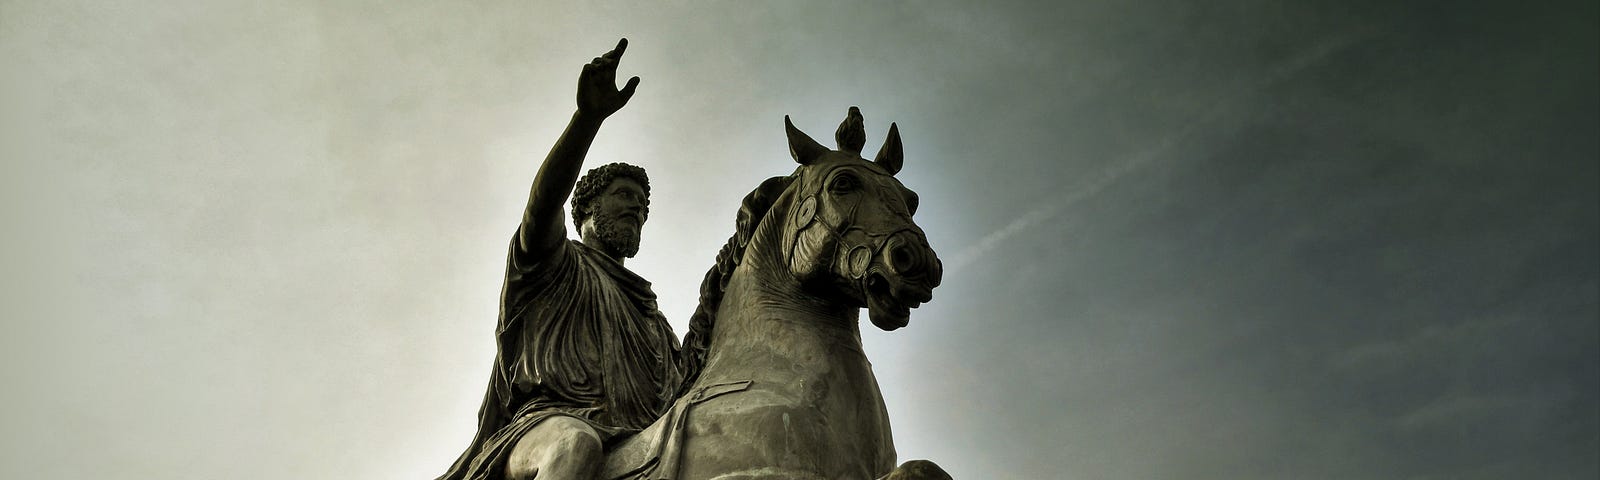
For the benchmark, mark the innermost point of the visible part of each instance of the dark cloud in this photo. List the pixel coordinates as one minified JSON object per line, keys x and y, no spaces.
{"x":1381,"y":265}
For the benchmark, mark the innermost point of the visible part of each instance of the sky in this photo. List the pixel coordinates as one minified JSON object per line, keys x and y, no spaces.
{"x":1238,"y":239}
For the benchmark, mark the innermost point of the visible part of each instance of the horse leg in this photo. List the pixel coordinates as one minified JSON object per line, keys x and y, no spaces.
{"x":917,"y":470}
{"x":559,"y":447}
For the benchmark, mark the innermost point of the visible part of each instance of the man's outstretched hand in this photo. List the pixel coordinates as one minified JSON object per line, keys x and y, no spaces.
{"x":597,"y":85}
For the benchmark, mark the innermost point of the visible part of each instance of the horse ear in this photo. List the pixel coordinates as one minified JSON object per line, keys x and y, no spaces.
{"x":801,"y":147}
{"x":892,"y":154}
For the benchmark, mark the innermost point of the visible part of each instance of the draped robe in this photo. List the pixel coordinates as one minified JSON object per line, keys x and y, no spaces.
{"x":579,"y":335}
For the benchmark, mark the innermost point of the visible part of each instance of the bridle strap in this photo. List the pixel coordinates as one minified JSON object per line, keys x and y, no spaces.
{"x":873,"y":247}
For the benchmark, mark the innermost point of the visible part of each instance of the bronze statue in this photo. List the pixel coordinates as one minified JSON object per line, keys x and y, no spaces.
{"x":785,"y":390}
{"x":589,"y":380}
{"x":583,"y":355}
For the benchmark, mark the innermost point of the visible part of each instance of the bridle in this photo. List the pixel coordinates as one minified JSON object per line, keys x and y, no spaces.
{"x":856,"y":259}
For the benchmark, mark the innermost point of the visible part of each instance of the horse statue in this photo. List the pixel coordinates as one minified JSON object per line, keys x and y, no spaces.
{"x":784,"y":389}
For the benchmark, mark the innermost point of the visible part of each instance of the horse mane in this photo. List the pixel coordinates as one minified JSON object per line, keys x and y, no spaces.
{"x":752,"y":209}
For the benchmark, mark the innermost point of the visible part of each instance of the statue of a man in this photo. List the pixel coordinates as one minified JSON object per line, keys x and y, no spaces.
{"x":583,"y":354}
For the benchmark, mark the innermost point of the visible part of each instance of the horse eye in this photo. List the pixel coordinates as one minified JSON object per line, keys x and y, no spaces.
{"x":912,"y":201}
{"x":845,"y":183}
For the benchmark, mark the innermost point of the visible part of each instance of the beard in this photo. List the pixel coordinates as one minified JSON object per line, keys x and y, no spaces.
{"x":617,"y":235}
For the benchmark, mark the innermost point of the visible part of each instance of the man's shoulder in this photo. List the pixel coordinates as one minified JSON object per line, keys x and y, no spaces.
{"x":539,"y":258}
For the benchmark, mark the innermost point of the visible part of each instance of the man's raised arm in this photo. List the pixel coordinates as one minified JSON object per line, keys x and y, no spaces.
{"x":543,"y":224}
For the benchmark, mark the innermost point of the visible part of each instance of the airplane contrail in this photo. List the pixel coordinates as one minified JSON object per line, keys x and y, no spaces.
{"x":1220,"y":106}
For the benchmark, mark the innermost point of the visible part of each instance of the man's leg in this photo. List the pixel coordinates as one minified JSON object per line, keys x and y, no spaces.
{"x":560,"y":447}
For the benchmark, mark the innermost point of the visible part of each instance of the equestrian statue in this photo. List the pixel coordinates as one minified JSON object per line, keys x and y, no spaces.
{"x":770,"y":382}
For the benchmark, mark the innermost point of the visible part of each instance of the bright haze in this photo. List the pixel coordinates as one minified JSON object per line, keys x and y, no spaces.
{"x":1234,"y":239}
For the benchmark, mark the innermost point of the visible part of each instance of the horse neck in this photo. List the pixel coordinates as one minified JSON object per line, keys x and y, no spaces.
{"x":766,"y":320}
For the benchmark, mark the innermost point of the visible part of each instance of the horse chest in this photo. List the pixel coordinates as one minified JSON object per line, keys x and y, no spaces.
{"x":801,"y":426}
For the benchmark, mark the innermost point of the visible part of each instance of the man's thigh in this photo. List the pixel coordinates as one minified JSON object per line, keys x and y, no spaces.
{"x":558,"y":447}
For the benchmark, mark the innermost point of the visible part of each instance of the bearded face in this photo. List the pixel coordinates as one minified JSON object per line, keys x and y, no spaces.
{"x":615,"y":218}
{"x":618,"y":232}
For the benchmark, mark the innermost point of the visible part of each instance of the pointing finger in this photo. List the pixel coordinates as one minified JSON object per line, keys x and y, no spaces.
{"x":616,"y":53}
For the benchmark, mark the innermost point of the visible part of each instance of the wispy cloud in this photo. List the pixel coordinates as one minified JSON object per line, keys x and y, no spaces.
{"x":1221,"y":107}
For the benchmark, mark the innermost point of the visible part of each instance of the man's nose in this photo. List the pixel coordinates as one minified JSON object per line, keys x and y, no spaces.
{"x":632,"y":207}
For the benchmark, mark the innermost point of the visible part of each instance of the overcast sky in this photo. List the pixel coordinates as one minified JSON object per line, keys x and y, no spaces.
{"x":1237,"y":239}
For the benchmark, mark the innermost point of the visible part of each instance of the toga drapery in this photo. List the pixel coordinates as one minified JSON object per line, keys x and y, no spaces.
{"x":579,"y":335}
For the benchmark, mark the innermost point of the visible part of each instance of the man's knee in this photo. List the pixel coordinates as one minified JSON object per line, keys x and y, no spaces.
{"x":559,"y":447}
{"x":577,"y":440}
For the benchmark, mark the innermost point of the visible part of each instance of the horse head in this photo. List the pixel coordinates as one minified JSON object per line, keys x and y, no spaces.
{"x":848,"y":229}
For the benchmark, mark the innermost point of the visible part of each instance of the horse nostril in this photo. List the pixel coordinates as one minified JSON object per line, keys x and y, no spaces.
{"x":906,"y":255}
{"x":902,"y":260}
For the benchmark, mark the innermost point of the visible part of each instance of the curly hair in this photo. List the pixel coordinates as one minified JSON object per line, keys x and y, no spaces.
{"x":595,"y":182}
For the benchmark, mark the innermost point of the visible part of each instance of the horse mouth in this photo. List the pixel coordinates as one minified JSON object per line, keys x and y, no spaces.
{"x":884,"y":309}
